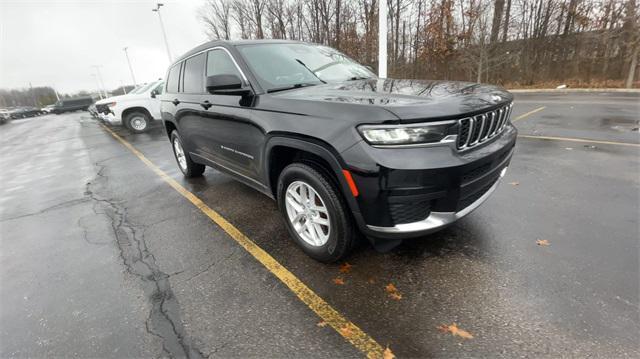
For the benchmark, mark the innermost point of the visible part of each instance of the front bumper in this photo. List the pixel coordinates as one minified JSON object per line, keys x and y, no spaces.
{"x":412,"y":192}
{"x":110,"y":119}
{"x":437,"y":220}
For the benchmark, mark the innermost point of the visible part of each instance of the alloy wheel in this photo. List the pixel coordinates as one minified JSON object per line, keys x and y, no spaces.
{"x":182,"y":160}
{"x":307,"y":213}
{"x":138,"y":123}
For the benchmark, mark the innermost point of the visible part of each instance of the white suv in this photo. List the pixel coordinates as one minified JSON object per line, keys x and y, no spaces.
{"x":134,"y":110}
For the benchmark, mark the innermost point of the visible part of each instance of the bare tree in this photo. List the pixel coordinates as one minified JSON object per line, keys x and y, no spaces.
{"x":511,"y":42}
{"x":217,"y":19}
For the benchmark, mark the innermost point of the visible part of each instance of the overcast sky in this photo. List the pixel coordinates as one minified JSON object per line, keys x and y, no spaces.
{"x":55,"y":43}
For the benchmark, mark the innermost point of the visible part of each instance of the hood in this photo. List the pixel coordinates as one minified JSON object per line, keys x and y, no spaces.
{"x":409,"y":99}
{"x":121,"y":98}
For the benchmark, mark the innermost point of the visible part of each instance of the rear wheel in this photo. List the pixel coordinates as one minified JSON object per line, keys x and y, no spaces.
{"x":137,"y":122}
{"x":315,"y":214}
{"x":186,"y":165}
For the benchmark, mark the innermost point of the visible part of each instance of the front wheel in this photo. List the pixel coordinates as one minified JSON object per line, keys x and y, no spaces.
{"x":315,"y":214}
{"x":137,"y":122}
{"x":186,"y":165}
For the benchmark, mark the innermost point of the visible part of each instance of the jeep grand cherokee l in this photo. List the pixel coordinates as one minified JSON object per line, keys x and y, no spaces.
{"x":340,"y":150}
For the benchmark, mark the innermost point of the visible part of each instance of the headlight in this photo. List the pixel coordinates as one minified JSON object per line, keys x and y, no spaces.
{"x":111,"y":104}
{"x":405,"y":134}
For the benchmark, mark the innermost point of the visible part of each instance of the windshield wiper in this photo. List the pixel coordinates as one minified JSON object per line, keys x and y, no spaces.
{"x":290,"y":87}
{"x":359,"y":78}
{"x":313,"y":73}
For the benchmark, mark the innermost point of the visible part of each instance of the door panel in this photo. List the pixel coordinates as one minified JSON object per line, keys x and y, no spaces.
{"x":230,"y":135}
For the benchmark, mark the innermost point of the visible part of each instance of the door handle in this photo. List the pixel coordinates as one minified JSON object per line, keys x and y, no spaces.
{"x":206,"y":105}
{"x":176,"y":102}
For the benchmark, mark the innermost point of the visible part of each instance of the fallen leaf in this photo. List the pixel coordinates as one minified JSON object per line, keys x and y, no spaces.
{"x":514,"y":183}
{"x":454,"y":330}
{"x":388,"y":354}
{"x":322,"y":324}
{"x":346,"y":331}
{"x":338,"y":281}
{"x":393,"y":291}
{"x":345,"y":267}
{"x":542,"y":242}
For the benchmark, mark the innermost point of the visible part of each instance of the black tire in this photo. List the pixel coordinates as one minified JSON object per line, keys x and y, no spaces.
{"x":191,"y":169}
{"x":342,"y":233}
{"x":137,"y":122}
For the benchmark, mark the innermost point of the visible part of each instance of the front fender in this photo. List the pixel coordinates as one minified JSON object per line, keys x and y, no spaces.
{"x":320,"y":149}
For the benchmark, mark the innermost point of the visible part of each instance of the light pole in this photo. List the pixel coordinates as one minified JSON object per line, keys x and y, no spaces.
{"x":130,"y":68}
{"x":97,"y":85}
{"x":382,"y":39}
{"x":104,"y":91}
{"x":164,"y":33}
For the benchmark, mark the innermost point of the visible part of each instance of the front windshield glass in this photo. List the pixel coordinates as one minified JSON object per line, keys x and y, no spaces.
{"x":286,"y":65}
{"x":143,"y":88}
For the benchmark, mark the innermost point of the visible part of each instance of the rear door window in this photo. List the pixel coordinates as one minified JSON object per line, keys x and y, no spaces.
{"x":173,"y":80}
{"x":193,"y":76}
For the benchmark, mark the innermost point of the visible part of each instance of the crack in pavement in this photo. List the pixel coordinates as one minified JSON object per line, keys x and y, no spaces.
{"x":61,"y":205}
{"x":213,"y":264}
{"x":164,"y":319}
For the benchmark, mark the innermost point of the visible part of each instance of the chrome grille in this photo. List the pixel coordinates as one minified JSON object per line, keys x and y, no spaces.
{"x":478,"y":129}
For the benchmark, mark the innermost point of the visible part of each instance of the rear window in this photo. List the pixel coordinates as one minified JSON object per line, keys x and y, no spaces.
{"x":193,"y":76}
{"x":172,"y":81}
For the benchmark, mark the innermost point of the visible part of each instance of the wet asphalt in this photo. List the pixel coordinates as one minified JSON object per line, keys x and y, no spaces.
{"x":99,"y":257}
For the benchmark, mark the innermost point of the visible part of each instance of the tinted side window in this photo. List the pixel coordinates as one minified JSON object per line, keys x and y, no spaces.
{"x":172,"y":81}
{"x":193,"y":77}
{"x":219,"y":63}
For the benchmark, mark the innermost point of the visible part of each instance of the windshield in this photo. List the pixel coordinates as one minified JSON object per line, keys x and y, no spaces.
{"x":143,"y":88}
{"x":284,"y":65}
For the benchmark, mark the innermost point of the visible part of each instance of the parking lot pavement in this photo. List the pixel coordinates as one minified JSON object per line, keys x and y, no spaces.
{"x":100,"y":257}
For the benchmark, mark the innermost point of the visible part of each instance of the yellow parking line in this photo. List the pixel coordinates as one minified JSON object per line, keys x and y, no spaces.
{"x":352,"y":333}
{"x":584,"y":140}
{"x":529,"y":113}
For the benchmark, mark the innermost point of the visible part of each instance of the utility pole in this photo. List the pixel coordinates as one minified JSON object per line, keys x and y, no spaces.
{"x":97,"y":85}
{"x":164,"y":33}
{"x":130,"y":68}
{"x":382,"y":39}
{"x":104,"y":91}
{"x":33,"y":95}
{"x":124,"y":89}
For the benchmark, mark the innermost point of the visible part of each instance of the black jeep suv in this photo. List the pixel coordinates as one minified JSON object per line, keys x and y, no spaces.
{"x":341,"y":150}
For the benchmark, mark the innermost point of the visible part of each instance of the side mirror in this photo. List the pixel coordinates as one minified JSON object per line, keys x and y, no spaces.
{"x":154,"y":93}
{"x":226,"y":85}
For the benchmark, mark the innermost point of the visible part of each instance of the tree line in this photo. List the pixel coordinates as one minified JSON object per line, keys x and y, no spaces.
{"x":519,"y":43}
{"x":46,"y":95}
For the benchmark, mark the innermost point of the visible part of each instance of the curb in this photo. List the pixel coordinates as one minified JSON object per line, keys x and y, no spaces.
{"x":566,"y":90}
